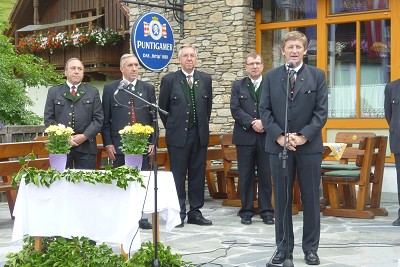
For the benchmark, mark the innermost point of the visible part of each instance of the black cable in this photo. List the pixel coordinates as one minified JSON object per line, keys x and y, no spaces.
{"x":141,"y":214}
{"x":235,"y":244}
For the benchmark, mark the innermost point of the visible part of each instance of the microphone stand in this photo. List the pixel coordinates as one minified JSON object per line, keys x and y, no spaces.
{"x":283,"y":156}
{"x":156,"y":109}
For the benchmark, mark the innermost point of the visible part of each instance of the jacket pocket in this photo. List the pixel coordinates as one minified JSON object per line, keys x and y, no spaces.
{"x":59,"y":102}
{"x":243,"y":96}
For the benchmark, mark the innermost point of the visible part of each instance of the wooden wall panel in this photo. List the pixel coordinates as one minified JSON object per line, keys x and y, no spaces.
{"x":61,"y":10}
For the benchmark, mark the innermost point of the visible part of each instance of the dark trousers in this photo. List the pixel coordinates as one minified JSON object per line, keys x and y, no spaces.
{"x":248,"y":158}
{"x":190,"y":160}
{"x":308,"y":169}
{"x":80,"y":160}
{"x":397,"y":162}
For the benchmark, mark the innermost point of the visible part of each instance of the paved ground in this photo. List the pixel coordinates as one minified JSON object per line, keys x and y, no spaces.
{"x":344,"y":242}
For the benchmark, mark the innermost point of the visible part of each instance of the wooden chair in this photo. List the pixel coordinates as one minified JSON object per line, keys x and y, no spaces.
{"x":371,"y":153}
{"x":347,"y":193}
{"x":215,"y":178}
{"x":231,"y":172}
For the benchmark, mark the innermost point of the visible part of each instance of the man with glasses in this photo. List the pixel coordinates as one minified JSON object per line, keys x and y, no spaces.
{"x":249,"y":137}
{"x":187,"y":95}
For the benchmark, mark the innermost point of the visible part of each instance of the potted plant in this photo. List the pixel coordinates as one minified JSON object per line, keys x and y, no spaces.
{"x":134,"y":140}
{"x":58,"y":145}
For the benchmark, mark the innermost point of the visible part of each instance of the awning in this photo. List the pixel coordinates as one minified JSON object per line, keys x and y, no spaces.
{"x":30,"y":28}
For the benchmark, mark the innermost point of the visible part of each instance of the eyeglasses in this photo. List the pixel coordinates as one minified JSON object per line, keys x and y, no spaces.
{"x":254,"y":63}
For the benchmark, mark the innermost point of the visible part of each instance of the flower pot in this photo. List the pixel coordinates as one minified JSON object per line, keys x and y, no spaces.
{"x":58,"y":161}
{"x":134,"y":161}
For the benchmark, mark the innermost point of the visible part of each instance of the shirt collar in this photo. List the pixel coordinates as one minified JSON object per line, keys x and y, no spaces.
{"x":70,"y":85}
{"x":133,"y":83}
{"x":258,"y":80}
{"x":186,"y":74}
{"x":297,"y":68}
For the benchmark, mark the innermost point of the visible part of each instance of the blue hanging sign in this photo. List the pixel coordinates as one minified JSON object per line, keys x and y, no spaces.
{"x":152,"y":41}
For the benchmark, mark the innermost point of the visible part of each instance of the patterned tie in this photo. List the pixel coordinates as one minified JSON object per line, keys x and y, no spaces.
{"x":255,"y":85}
{"x":133,"y":114}
{"x":292,"y":80}
{"x":189,"y":80}
{"x":73,"y":92}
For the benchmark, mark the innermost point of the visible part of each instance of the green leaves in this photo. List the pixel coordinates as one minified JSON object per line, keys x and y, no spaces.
{"x":76,"y":252}
{"x":122,"y":176}
{"x":16,"y":73}
{"x":145,"y":255}
{"x":79,"y":252}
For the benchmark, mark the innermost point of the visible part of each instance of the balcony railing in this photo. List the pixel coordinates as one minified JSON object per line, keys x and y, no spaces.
{"x":90,"y":55}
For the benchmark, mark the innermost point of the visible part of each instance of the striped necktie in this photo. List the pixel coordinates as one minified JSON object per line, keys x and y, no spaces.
{"x":292,"y":80}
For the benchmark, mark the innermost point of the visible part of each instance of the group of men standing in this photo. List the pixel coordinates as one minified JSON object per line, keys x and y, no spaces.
{"x":277,"y":132}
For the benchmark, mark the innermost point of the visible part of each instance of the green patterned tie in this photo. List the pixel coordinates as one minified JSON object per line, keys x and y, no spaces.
{"x":292,"y":80}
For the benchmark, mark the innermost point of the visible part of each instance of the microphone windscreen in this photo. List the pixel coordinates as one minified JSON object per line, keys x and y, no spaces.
{"x":291,"y":64}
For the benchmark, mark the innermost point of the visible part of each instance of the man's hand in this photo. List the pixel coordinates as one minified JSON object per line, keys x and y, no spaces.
{"x":257,"y":126}
{"x":150,"y":150}
{"x":292,"y":141}
{"x":111,"y":151}
{"x":78,"y":139}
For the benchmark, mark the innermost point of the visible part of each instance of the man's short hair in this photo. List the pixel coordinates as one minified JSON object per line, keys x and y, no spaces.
{"x":69,"y":60}
{"x":294,"y":35}
{"x":185,"y":46}
{"x":124,"y":57}
{"x":253,"y":54}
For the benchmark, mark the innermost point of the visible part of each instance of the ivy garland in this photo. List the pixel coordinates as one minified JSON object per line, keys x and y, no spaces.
{"x":122,"y":175}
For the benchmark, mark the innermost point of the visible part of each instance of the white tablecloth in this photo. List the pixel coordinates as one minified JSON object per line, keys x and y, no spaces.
{"x":101,"y":212}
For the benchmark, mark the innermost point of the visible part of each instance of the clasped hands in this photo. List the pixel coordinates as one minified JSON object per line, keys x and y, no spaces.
{"x":257,"y":126}
{"x":292,"y":140}
{"x":77,"y":139}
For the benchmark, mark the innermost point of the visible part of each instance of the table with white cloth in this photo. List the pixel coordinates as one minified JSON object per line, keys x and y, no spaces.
{"x":102,"y":212}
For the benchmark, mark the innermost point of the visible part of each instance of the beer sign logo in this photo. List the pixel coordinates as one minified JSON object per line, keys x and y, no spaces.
{"x":152,"y":41}
{"x":155,"y":29}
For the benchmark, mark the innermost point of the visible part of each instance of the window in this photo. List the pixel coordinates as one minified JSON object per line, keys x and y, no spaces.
{"x":287,"y":10}
{"x":84,"y":14}
{"x":372,"y":43}
{"x":349,"y":6}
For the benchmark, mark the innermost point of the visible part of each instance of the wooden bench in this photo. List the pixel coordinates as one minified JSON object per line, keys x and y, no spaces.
{"x":214,"y":167}
{"x":371,"y":153}
{"x":9,"y":164}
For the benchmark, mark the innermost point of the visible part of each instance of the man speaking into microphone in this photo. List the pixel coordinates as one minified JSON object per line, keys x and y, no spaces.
{"x":306,"y":107}
{"x":121,"y":109}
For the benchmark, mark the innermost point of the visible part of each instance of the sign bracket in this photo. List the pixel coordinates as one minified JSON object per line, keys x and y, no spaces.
{"x":176,"y":8}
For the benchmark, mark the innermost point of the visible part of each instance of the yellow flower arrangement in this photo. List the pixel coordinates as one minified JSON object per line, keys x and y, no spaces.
{"x":134,"y":138}
{"x":58,"y":139}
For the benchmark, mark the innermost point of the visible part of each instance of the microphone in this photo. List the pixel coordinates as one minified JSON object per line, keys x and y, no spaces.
{"x":291,"y":64}
{"x":123,"y":84}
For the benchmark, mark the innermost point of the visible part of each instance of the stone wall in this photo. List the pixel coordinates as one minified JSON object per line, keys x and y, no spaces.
{"x":223,"y":31}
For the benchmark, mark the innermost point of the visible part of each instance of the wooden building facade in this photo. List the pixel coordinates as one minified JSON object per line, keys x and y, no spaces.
{"x":45,"y":17}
